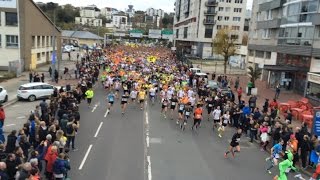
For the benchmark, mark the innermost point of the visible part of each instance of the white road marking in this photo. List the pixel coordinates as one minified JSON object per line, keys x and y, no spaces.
{"x":21,"y":117}
{"x":149,"y":168}
{"x":9,"y":125}
{"x":148,"y":141}
{"x":107,"y":112}
{"x":85,"y":157}
{"x":15,"y":105}
{"x":97,"y":132}
{"x":95,"y":107}
{"x":147,"y":120}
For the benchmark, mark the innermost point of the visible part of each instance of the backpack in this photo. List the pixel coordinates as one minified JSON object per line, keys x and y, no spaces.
{"x":70,"y":129}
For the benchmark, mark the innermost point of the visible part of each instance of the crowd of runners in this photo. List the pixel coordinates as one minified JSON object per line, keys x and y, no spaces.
{"x":135,"y":74}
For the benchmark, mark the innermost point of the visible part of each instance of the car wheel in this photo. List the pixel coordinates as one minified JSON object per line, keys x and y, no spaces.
{"x":32,"y":98}
{"x":5,"y":99}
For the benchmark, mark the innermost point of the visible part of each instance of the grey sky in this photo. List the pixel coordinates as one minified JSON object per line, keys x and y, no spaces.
{"x":166,"y":5}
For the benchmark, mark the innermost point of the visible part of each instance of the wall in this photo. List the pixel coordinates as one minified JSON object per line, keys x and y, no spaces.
{"x":34,"y":23}
{"x":271,"y":61}
{"x":315,"y":65}
{"x":88,"y":42}
{"x":7,"y":54}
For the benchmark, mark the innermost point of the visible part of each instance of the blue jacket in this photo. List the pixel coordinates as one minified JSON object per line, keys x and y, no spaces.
{"x":61,"y":166}
{"x":246,"y":110}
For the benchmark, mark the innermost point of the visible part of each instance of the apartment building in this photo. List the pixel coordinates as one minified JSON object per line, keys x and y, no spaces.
{"x":89,"y":16}
{"x":107,"y":12}
{"x":196,"y":23}
{"x":155,"y":12}
{"x":285,"y":42}
{"x":26,"y":35}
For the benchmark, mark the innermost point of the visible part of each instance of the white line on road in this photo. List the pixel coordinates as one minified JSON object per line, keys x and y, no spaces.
{"x":147,"y":119}
{"x":97,"y":132}
{"x":148,"y":141}
{"x":107,"y":112}
{"x":85,"y":157}
{"x":95,"y":107}
{"x":21,"y":117}
{"x":9,"y":125}
{"x":149,"y":168}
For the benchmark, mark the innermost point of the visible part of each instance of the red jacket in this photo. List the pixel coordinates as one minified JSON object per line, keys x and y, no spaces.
{"x":50,"y":161}
{"x":2,"y":114}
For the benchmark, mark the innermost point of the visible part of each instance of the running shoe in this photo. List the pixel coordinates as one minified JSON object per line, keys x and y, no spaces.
{"x":269,"y":171}
{"x":225,"y":155}
{"x":220,"y":135}
{"x":268,"y":158}
{"x":177,"y":122}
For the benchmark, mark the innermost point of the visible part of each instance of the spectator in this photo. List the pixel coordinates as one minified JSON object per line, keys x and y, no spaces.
{"x":60,"y":167}
{"x":2,"y":116}
{"x":11,"y":142}
{"x":3,"y":173}
{"x":12,"y":165}
{"x":24,"y":172}
{"x":51,"y":156}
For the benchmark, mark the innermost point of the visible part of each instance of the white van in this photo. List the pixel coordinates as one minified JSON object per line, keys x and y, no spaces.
{"x":33,"y":91}
{"x":203,"y":75}
{"x":195,"y":70}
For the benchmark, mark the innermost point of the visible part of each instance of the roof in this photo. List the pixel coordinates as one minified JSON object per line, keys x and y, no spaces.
{"x":34,"y":84}
{"x":80,"y":35}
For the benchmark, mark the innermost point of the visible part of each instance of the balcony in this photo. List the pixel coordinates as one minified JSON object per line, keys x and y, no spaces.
{"x":212,"y":3}
{"x":269,"y":24}
{"x":210,"y":13}
{"x":209,"y":22}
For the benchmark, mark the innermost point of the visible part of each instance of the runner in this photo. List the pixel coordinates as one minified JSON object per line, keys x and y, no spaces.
{"x":276,"y":152}
{"x":174,"y":102}
{"x":124,"y":102}
{"x":225,"y":120}
{"x":234,"y":144}
{"x":197,"y":117}
{"x":164,"y":107}
{"x":216,"y":117}
{"x":133,"y":95}
{"x":187,"y":113}
{"x":111,"y":96}
{"x":152,"y":93}
{"x":142,"y":96}
{"x":209,"y":103}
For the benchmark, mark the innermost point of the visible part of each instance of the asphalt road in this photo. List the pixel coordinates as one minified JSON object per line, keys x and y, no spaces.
{"x":116,"y":147}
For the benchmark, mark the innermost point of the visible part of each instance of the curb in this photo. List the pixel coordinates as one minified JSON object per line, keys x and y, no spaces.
{"x":11,"y":102}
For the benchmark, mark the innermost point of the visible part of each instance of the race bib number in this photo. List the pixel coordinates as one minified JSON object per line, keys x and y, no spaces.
{"x":188,"y":113}
{"x":173,"y":103}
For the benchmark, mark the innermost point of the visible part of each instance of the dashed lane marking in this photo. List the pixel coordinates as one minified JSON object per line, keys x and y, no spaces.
{"x":97,"y":132}
{"x":85,"y":157}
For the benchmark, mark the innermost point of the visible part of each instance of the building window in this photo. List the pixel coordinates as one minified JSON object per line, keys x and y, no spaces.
{"x":260,"y":54}
{"x":219,"y":27}
{"x":220,"y":8}
{"x":11,"y":19}
{"x":219,"y":18}
{"x":43,"y":41}
{"x":185,"y":32}
{"x":0,"y":40}
{"x":269,"y":15}
{"x":33,"y":41}
{"x":177,"y":33}
{"x":226,"y":18}
{"x":221,"y":0}
{"x":236,"y":28}
{"x":11,"y":41}
{"x":237,"y":19}
{"x":228,"y":9}
{"x":251,"y":52}
{"x":38,"y":41}
{"x":266,"y":33}
{"x":234,"y":36}
{"x":47,"y":42}
{"x":38,"y":56}
{"x":258,"y":16}
{"x":237,"y":10}
{"x":208,"y":33}
{"x":228,"y":1}
{"x":225,"y":27}
{"x":268,"y":55}
{"x":313,"y":90}
{"x":238,"y":1}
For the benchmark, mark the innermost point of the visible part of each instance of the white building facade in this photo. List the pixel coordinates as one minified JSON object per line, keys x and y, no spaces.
{"x":155,"y":12}
{"x":197,"y":22}
{"x":88,"y":16}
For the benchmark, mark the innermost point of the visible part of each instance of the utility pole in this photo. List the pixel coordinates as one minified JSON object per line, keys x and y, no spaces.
{"x":53,"y":60}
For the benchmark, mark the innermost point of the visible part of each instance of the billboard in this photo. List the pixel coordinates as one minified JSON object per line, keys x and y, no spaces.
{"x":8,"y":3}
{"x":154,"y":33}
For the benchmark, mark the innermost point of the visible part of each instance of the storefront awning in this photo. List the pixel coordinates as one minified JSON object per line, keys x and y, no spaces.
{"x":284,"y":68}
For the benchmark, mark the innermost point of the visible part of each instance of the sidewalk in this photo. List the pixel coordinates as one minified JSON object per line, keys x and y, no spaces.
{"x":12,"y":85}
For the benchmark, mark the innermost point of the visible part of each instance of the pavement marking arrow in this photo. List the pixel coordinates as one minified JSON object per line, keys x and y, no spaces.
{"x":107,"y":112}
{"x":95,"y":107}
{"x":85,"y":157}
{"x":97,"y":132}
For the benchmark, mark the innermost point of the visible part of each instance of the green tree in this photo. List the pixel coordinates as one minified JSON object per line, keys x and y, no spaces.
{"x":254,"y":74}
{"x":224,"y":45}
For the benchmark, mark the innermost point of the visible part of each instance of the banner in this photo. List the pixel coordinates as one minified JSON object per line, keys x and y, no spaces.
{"x":154,"y":33}
{"x":8,"y":3}
{"x":316,"y":122}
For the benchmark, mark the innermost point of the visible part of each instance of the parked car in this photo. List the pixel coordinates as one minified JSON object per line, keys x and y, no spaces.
{"x":34,"y":91}
{"x":66,"y":49}
{"x":3,"y":95}
{"x":195,"y":70}
{"x":213,"y":84}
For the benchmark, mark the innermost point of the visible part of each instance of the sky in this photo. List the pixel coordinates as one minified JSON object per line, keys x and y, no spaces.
{"x":166,"y":5}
